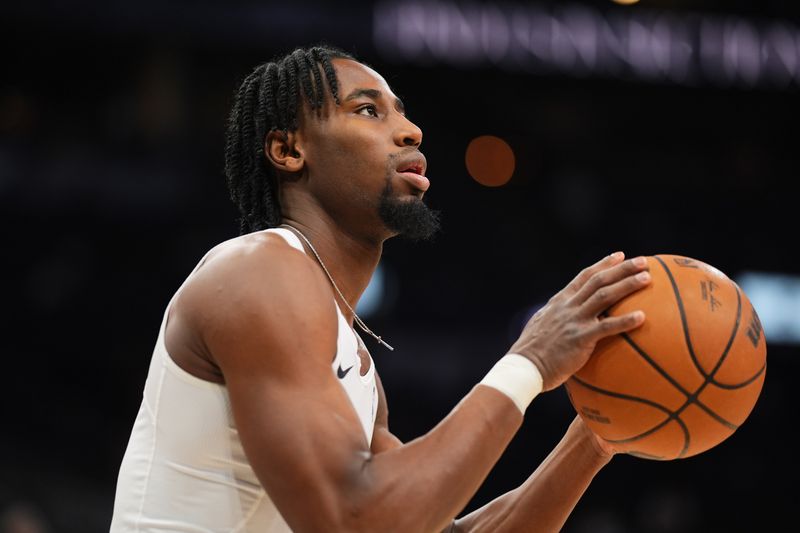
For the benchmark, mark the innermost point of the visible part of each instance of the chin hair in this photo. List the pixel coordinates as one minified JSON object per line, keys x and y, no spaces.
{"x":411,"y":219}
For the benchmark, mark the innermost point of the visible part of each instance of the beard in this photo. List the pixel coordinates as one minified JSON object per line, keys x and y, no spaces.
{"x":411,"y":219}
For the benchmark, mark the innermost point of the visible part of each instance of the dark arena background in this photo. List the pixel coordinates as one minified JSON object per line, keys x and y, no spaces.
{"x":663,"y":126}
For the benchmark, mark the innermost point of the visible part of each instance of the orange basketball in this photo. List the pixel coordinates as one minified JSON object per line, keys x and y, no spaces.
{"x":687,"y":378}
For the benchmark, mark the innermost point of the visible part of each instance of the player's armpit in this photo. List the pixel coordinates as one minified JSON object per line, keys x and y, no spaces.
{"x":382,"y":439}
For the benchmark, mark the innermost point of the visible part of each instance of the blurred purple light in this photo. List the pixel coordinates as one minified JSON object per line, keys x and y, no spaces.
{"x":580,"y":40}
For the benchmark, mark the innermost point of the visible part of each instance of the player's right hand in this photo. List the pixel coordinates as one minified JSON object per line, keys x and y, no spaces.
{"x":562,"y":335}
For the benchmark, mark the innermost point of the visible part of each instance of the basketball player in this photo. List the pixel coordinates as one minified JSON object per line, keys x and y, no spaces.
{"x":263,"y":410}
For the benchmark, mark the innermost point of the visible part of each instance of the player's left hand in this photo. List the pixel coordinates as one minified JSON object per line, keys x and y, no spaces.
{"x":604,"y":448}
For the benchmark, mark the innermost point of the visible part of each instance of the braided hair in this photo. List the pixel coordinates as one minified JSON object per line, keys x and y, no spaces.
{"x":268,"y":100}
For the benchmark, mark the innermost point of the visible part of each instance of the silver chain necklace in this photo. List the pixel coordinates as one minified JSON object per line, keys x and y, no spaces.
{"x":357,"y":319}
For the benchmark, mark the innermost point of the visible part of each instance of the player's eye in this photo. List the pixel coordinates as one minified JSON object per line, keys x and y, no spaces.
{"x":368,"y":109}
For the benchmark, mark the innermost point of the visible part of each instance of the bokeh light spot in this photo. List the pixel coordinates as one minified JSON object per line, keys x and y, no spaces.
{"x":490,"y":160}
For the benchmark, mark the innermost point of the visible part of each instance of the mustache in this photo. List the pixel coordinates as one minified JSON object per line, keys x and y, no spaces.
{"x":391,"y":162}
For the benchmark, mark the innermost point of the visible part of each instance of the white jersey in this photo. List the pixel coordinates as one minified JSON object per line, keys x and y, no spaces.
{"x":184,"y":469}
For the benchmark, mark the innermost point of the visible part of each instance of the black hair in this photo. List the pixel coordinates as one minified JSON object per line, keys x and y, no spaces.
{"x":268,"y":100}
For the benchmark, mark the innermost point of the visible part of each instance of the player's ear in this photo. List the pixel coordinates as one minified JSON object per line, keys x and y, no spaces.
{"x":283,"y":151}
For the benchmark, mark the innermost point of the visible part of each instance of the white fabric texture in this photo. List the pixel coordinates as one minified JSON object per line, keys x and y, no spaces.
{"x":184,"y":469}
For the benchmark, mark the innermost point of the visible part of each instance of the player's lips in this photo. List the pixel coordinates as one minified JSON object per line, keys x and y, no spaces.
{"x":412,"y":168}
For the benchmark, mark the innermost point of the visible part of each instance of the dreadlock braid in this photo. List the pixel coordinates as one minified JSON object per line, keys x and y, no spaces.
{"x":268,"y":100}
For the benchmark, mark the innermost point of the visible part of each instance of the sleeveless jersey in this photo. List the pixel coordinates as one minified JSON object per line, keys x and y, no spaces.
{"x":184,"y":469}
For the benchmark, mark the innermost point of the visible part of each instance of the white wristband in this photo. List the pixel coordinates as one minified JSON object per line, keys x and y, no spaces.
{"x":517,"y":377}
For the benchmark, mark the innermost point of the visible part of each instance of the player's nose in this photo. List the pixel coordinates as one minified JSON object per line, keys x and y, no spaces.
{"x":407,"y":133}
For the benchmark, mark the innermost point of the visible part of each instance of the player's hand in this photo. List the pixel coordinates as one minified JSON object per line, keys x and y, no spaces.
{"x":603,"y":448}
{"x":562,"y":335}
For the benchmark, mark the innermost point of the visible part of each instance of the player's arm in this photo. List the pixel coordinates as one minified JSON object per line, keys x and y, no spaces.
{"x":545,"y":500}
{"x":541,"y":504}
{"x":383,"y":440}
{"x":274,"y":342}
{"x":268,"y":320}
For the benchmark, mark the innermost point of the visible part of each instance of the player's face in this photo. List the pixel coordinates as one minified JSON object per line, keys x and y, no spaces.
{"x":364,"y":152}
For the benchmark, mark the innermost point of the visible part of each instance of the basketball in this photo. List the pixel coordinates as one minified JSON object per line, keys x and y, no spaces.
{"x":688,"y":377}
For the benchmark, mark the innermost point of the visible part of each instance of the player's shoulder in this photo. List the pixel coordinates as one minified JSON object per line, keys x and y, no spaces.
{"x":256,"y":295}
{"x":257,"y":268}
{"x":257,"y":255}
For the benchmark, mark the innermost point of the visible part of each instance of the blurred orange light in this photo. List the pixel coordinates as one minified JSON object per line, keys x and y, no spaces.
{"x":625,"y":2}
{"x":490,"y":160}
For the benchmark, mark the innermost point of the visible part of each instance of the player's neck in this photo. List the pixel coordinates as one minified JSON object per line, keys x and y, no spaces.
{"x":350,"y":258}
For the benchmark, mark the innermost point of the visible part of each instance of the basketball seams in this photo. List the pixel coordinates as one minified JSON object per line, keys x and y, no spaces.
{"x":670,"y":414}
{"x":713,"y":414}
{"x":744,"y":383}
{"x":748,"y":381}
{"x":660,"y":425}
{"x":708,"y":377}
{"x":620,"y":395}
{"x":682,"y":312}
{"x":691,"y":398}
{"x":644,"y":355}
{"x":732,"y":337}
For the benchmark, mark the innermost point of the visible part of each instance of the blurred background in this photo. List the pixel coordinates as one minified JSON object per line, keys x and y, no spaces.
{"x":556,"y":132}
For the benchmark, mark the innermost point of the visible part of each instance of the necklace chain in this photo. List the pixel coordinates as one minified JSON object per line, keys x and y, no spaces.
{"x":357,"y":319}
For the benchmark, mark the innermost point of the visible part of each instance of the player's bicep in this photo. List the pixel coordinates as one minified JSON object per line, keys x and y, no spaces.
{"x":304,"y":442}
{"x":273,"y":332}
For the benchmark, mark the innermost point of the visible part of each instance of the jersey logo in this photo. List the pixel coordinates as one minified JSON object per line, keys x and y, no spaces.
{"x":342,"y":373}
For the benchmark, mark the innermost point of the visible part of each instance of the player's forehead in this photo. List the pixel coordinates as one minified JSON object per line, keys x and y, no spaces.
{"x":353,"y":76}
